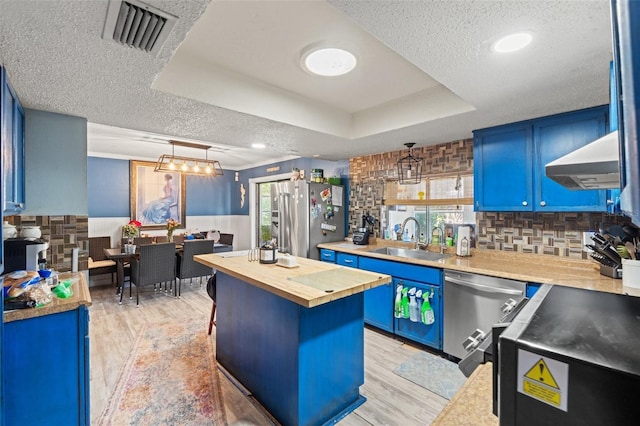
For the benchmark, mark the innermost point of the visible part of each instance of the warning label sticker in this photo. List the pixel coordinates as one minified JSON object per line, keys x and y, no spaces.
{"x":543,"y":378}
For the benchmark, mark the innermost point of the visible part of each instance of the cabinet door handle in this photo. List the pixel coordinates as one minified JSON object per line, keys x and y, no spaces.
{"x":348,"y":261}
{"x":543,"y":203}
{"x":524,"y":203}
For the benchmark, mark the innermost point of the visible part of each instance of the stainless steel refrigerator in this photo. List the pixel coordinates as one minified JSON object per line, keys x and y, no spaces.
{"x":307,"y":214}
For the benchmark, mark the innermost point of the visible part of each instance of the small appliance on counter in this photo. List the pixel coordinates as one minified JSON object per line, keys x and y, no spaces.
{"x":361,"y":235}
{"x":24,"y":253}
{"x":463,"y":246}
{"x":268,"y":253}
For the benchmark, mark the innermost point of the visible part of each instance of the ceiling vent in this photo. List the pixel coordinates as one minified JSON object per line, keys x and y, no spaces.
{"x":137,"y":25}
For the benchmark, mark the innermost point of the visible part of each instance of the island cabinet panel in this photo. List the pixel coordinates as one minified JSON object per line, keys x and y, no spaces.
{"x":305,"y":365}
{"x":509,"y":163}
{"x":427,"y":334}
{"x":327,"y":255}
{"x":46,"y":369}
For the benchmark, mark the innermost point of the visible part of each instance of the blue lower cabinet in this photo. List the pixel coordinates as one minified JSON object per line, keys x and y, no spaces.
{"x":378,"y":307}
{"x":345,"y":259}
{"x":46,"y":369}
{"x":422,"y":323}
{"x":532,"y":288}
{"x":327,"y":255}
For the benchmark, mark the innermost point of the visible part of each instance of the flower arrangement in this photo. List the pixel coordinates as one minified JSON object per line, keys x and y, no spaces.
{"x":131,"y":229}
{"x":171,"y":225}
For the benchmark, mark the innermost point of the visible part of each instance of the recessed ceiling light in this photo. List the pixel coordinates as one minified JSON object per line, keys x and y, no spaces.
{"x":316,"y":155}
{"x":258,"y":145}
{"x":512,"y":42}
{"x":328,"y":61}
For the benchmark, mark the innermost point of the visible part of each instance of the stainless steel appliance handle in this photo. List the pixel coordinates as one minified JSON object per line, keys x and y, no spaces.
{"x":485,"y":288}
{"x":281,"y":224}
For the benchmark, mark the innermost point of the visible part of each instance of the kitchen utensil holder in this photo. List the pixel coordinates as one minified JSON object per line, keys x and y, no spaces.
{"x":611,"y":271}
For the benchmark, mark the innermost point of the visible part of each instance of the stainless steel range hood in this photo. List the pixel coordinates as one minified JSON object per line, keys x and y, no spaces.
{"x":594,"y":166}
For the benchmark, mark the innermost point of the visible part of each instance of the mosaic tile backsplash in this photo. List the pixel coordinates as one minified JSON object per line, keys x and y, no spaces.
{"x":556,"y":234}
{"x":64,"y":233}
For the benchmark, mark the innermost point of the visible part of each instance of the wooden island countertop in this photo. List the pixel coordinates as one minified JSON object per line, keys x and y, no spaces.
{"x":310,"y":284}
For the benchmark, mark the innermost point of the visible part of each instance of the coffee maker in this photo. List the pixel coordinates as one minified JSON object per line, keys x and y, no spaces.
{"x":24,"y":253}
{"x":361,"y":235}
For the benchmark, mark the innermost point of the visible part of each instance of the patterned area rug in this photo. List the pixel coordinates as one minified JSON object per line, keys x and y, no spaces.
{"x":433,"y":373}
{"x":170,"y":378}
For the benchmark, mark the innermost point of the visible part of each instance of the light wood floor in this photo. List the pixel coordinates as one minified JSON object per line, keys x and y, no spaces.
{"x":391,"y":400}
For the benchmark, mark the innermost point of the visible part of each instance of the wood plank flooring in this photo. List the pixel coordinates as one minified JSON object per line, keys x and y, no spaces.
{"x":391,"y":399}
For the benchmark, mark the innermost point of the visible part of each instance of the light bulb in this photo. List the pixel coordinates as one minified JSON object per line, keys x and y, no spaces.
{"x":208,"y":169}
{"x":184,"y":167}
{"x":196,"y":168}
{"x":409,"y":172}
{"x":172,"y":166}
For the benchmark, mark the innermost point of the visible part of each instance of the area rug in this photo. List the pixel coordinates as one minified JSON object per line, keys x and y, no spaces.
{"x":433,"y":373}
{"x":170,"y":378}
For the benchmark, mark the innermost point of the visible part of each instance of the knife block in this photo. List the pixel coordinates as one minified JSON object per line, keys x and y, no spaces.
{"x":610,"y":271}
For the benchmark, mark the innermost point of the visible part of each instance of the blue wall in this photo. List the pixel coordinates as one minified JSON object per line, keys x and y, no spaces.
{"x":108,"y":186}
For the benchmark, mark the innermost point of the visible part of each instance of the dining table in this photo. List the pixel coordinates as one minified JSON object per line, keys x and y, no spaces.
{"x":118,"y":255}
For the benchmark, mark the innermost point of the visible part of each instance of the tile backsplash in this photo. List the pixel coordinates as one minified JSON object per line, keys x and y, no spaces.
{"x":64,"y":233}
{"x":557,"y":234}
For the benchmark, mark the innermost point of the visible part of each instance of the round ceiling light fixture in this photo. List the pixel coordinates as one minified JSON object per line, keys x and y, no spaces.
{"x":258,"y":145}
{"x":512,"y":42}
{"x":328,"y":61}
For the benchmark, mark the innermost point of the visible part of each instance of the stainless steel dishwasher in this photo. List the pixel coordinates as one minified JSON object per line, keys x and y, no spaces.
{"x":473,"y":302}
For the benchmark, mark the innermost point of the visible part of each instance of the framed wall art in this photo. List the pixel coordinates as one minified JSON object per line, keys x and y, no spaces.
{"x":156,"y":196}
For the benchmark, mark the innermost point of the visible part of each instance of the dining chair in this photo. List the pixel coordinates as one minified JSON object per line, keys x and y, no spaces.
{"x":155,"y":264}
{"x":189,"y":268}
{"x":161,"y":239}
{"x":98,"y":262}
{"x":139,"y":241}
{"x":226,"y":239}
{"x":178,"y":239}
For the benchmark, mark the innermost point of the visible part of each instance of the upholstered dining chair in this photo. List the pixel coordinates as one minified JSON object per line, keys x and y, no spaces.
{"x":226,"y":239}
{"x":155,"y":264}
{"x":98,"y":262}
{"x":189,"y":268}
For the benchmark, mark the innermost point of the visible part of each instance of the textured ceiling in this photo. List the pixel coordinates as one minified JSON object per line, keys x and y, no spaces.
{"x":57,"y":61}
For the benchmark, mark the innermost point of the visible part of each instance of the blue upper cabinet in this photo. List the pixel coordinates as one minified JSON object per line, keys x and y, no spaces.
{"x":12,"y":120}
{"x":503,"y":168}
{"x":509,"y":163}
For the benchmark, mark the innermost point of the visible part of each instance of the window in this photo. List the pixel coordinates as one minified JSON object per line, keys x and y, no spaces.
{"x":443,"y":202}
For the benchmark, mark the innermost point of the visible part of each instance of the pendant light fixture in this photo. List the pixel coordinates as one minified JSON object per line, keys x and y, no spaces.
{"x":409,"y":168}
{"x":189,"y":165}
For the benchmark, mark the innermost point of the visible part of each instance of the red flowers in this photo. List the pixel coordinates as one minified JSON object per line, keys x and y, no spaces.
{"x":135,"y":223}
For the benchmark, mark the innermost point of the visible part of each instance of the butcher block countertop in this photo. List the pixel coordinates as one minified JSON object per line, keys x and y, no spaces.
{"x":310,"y":284}
{"x":80,"y":297}
{"x":533,"y":268}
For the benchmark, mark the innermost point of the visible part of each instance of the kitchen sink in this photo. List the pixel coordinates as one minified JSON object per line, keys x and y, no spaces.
{"x":410,"y":253}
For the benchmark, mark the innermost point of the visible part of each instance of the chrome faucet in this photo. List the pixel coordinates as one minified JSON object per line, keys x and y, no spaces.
{"x":417,"y":237}
{"x":441,"y":237}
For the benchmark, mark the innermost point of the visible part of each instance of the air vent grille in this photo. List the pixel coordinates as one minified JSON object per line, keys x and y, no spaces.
{"x":137,"y":25}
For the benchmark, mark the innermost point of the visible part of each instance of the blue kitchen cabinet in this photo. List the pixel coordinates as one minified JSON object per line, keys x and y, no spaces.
{"x":532,"y":288}
{"x":509,"y":163}
{"x":46,"y":369}
{"x":328,"y":255}
{"x":503,"y":168}
{"x":378,"y":301}
{"x":12,"y":134}
{"x":345,"y":259}
{"x":427,"y":334}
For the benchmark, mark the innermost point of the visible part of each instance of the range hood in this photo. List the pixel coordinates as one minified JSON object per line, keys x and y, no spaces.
{"x":594,"y":166}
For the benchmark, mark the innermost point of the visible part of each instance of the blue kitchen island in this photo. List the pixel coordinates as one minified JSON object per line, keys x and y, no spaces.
{"x":293,"y":337}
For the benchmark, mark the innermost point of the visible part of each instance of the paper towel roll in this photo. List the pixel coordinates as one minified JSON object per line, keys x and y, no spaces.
{"x":74,"y":259}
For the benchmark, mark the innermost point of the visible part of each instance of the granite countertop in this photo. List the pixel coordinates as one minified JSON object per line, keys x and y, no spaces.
{"x":471,"y":405}
{"x":310,"y":284}
{"x":543,"y":269}
{"x":81,"y":296}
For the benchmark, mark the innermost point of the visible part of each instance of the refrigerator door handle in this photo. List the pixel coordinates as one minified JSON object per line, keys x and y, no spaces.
{"x":282,"y":198}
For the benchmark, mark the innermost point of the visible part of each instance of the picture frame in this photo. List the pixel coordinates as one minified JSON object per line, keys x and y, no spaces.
{"x":152,"y":201}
